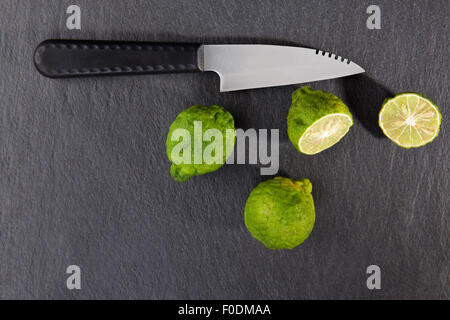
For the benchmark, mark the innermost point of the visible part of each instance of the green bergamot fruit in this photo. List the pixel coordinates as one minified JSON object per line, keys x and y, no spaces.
{"x":317,"y":120}
{"x":199,"y":141}
{"x":410,"y":120}
{"x":280,"y":212}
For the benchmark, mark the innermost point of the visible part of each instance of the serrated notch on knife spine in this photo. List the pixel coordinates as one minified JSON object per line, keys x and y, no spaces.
{"x":332,"y":56}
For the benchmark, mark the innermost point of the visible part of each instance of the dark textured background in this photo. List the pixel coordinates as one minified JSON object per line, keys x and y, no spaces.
{"x":84,"y":178}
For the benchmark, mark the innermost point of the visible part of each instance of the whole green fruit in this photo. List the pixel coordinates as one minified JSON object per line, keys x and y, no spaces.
{"x":280,"y":212}
{"x":195,"y":122}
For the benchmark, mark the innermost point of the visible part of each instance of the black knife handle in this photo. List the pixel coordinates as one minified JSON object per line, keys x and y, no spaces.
{"x":76,"y":58}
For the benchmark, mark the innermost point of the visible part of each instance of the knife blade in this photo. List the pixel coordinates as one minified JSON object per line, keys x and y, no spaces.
{"x":257,"y":66}
{"x":239,"y":67}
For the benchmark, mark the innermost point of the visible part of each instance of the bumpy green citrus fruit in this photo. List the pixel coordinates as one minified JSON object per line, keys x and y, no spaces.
{"x":317,"y":120}
{"x":191,"y":136}
{"x":280,"y":212}
{"x":410,"y":120}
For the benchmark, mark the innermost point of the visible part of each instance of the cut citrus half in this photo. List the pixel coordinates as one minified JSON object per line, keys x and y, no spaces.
{"x":324,"y":133}
{"x":410,"y":120}
{"x":317,"y":120}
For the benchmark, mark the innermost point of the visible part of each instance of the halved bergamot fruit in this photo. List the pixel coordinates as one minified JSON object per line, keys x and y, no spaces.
{"x":410,"y":120}
{"x":317,"y":120}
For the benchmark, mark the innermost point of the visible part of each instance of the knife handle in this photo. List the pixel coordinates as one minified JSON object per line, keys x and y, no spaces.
{"x":77,"y":58}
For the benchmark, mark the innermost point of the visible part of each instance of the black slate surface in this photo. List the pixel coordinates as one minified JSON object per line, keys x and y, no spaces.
{"x":84,"y":178}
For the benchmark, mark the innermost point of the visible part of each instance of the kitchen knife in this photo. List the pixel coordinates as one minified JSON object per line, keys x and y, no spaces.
{"x":239,"y":66}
